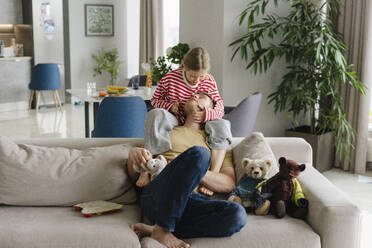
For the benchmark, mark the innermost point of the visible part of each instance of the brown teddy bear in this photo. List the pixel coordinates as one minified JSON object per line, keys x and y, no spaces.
{"x":287,"y":196}
{"x":245,"y":192}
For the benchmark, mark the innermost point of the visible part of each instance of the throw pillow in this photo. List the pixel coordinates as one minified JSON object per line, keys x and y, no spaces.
{"x":57,"y":176}
{"x":253,"y":146}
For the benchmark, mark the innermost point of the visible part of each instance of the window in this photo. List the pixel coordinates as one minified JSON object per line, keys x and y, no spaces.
{"x":171,"y":23}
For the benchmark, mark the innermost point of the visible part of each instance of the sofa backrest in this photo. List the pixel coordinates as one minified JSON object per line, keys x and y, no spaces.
{"x":64,"y":173}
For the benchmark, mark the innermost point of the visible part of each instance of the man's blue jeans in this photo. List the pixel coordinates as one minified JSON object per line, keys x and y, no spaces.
{"x":170,"y":202}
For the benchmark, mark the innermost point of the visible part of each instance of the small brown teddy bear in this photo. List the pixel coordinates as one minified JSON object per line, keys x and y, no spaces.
{"x":287,"y":196}
{"x":245,"y":192}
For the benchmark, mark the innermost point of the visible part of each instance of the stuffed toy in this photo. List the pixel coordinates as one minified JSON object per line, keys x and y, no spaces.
{"x":287,"y":196}
{"x":245,"y":193}
{"x":154,"y":166}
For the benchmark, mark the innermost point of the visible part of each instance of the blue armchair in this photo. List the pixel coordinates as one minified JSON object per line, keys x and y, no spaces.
{"x":120,"y":117}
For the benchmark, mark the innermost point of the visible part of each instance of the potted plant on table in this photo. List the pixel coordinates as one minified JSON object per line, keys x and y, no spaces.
{"x":107,"y":60}
{"x":163,"y":64}
{"x":315,"y":54}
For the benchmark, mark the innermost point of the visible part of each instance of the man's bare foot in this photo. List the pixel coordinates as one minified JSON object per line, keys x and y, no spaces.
{"x":142,"y":230}
{"x":143,"y":179}
{"x":205,"y":191}
{"x":166,"y":238}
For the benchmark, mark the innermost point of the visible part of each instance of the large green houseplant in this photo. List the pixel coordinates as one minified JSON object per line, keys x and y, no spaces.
{"x":107,"y":60}
{"x":315,"y":54}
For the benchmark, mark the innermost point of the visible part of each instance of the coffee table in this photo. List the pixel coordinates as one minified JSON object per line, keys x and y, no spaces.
{"x":95,"y":100}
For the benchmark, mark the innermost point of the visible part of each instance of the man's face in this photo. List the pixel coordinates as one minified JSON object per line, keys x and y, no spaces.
{"x":197,"y":102}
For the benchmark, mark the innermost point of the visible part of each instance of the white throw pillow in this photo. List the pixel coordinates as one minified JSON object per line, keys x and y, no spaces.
{"x":57,"y":176}
{"x":253,"y":146}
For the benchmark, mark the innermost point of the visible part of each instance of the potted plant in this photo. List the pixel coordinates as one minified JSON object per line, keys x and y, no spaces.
{"x":315,"y":54}
{"x":163,"y":64}
{"x":107,"y":60}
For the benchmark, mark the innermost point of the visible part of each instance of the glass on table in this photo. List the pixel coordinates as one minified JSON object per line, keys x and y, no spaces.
{"x":135,"y":82}
{"x":91,"y":88}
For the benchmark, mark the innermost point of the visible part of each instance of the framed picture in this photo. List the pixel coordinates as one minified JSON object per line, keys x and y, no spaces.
{"x":99,"y":20}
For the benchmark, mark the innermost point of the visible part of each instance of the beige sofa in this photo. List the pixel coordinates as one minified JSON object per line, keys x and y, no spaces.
{"x":333,"y":221}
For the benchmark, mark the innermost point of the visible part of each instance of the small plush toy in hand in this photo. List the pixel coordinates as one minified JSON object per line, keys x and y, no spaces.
{"x":245,"y":193}
{"x":149,"y":171}
{"x":287,"y":196}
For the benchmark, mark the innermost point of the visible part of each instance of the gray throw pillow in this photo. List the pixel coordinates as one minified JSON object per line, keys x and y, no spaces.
{"x":253,"y":146}
{"x":57,"y":176}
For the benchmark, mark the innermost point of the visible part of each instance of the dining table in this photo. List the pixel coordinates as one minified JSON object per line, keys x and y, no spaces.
{"x":93,"y":99}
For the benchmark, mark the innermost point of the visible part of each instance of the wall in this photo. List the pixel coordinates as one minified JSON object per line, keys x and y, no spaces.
{"x":82,"y":47}
{"x":199,"y":29}
{"x":133,"y":27}
{"x":239,"y":82}
{"x":11,"y":12}
{"x":216,"y":31}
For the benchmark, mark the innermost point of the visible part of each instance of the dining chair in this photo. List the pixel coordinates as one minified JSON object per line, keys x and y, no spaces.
{"x":45,"y":77}
{"x":120,"y":117}
{"x":244,"y":115}
{"x":142,"y":81}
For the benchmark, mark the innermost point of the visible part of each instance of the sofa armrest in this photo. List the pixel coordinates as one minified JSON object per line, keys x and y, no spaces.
{"x":296,"y":149}
{"x":332,"y":215}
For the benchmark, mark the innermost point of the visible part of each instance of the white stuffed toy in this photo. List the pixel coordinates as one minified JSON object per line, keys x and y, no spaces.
{"x":154,"y":166}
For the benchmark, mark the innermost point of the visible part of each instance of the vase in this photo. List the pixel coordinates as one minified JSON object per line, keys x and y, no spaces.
{"x":322,"y":145}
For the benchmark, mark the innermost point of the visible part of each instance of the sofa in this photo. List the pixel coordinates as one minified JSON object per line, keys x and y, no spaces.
{"x":333,"y":220}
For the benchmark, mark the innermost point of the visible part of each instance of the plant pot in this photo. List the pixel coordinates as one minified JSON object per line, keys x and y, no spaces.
{"x":322,"y":145}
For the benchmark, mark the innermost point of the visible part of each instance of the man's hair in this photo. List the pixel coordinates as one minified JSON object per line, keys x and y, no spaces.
{"x":206,"y":94}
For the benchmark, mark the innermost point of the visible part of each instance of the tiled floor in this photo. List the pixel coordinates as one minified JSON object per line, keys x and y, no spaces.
{"x":70,"y":123}
{"x":48,"y":122}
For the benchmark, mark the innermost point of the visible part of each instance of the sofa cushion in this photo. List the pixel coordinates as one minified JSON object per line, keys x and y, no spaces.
{"x":58,"y":176}
{"x":49,"y":227}
{"x":259,"y":232}
{"x":253,"y":146}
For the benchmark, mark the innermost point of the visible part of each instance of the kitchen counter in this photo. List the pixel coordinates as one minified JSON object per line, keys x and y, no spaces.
{"x":15,"y":75}
{"x":16,"y":58}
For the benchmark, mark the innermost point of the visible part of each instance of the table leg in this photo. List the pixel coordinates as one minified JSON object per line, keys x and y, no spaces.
{"x":95,"y":109}
{"x":87,"y":129}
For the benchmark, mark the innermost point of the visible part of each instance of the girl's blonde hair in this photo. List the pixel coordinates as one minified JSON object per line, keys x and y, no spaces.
{"x":197,"y":59}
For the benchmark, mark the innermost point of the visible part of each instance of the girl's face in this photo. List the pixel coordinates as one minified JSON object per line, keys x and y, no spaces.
{"x":193,"y":77}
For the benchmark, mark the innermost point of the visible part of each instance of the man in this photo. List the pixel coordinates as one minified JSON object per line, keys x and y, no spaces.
{"x":169,"y":200}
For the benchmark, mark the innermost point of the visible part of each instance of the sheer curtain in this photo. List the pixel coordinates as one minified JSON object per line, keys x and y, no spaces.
{"x":354,"y":24}
{"x":159,"y":28}
{"x":151,"y":30}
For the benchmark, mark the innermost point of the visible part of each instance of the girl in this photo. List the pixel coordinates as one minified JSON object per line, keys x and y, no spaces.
{"x":173,"y":91}
{"x":193,"y":77}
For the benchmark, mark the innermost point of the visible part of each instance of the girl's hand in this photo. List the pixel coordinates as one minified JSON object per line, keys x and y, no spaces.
{"x":199,"y":115}
{"x":139,"y":157}
{"x":175,"y":109}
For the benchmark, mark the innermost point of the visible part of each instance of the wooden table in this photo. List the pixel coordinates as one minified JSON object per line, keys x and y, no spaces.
{"x":95,"y":100}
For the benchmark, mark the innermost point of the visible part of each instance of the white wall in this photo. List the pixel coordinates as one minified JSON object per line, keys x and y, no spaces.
{"x":214,"y":24}
{"x":201,"y":24}
{"x":82,"y":47}
{"x":239,"y":82}
{"x":133,"y":27}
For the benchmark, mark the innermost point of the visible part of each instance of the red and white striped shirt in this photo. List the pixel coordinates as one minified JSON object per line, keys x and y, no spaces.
{"x":174,"y":86}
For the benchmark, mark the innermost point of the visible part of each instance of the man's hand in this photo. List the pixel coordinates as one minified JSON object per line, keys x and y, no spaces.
{"x":175,"y":108}
{"x":139,"y":157}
